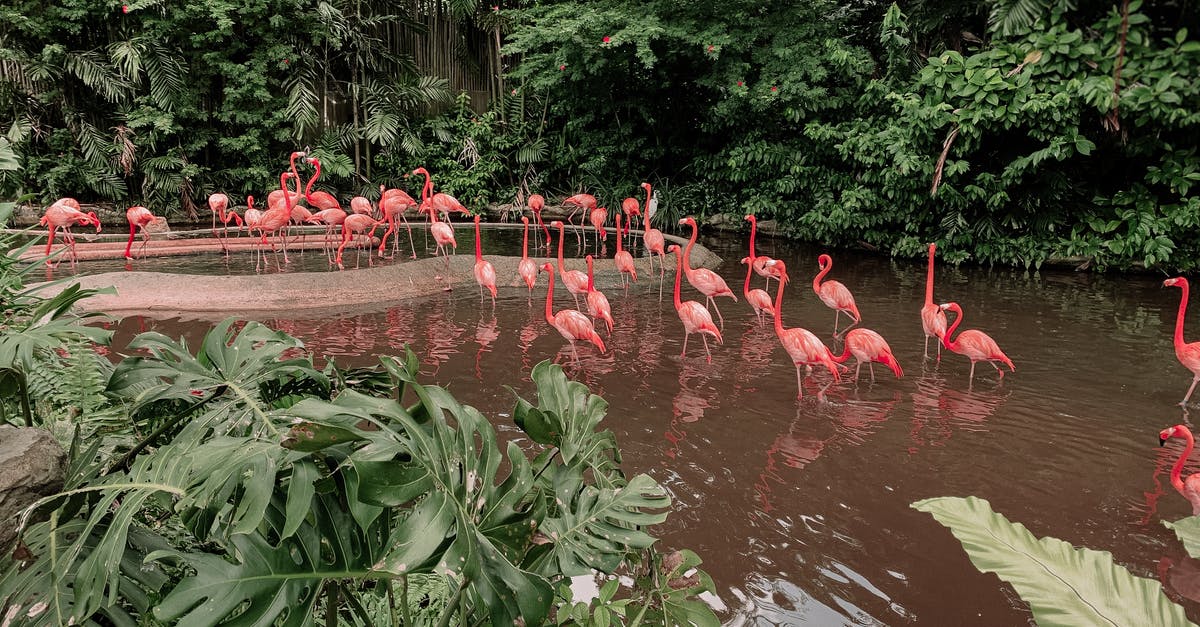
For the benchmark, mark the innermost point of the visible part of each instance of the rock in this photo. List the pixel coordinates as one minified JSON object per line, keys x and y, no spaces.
{"x":32,"y":466}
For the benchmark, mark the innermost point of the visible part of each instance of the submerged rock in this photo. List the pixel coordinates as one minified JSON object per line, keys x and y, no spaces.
{"x":32,"y":466}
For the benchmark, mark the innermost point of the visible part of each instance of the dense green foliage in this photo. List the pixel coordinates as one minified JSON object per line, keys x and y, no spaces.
{"x":1012,"y":131}
{"x":240,"y":483}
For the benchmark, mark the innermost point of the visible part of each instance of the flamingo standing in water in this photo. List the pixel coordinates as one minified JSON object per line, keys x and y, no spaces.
{"x":64,"y":214}
{"x":587,"y":203}
{"x":276,"y":218}
{"x":536,"y":204}
{"x":804,"y":348}
{"x":708,"y":282}
{"x":933,"y":319}
{"x":597,"y":302}
{"x":393,"y":203}
{"x":219,"y":204}
{"x":527,"y":269}
{"x":1188,"y":354}
{"x":654,"y":241}
{"x":356,"y":223}
{"x":760,"y":300}
{"x":623,"y":259}
{"x":835,"y":295}
{"x":693,"y":315}
{"x":571,"y":324}
{"x":598,"y":217}
{"x":485,"y":274}
{"x":138,"y":218}
{"x":762,"y":264}
{"x":868,"y":347}
{"x":330,"y":218}
{"x":1190,"y":489}
{"x":318,"y":200}
{"x":574,"y":280}
{"x":976,"y":345}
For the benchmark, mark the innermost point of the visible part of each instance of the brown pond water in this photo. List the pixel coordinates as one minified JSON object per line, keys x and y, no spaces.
{"x":800,"y":509}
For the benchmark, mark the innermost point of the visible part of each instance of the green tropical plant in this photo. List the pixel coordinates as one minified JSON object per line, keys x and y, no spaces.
{"x":254,"y":492}
{"x":1063,"y":585}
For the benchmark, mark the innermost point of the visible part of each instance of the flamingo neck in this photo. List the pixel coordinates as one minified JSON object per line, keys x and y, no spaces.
{"x":618,"y":232}
{"x":749,"y":271}
{"x":538,"y":215}
{"x":591,"y":287}
{"x":525,"y":243}
{"x":958,"y":318}
{"x":560,"y":254}
{"x":779,"y":310}
{"x":287,"y":198}
{"x":687,"y":252}
{"x":929,"y":279}
{"x":478,"y":246}
{"x":753,"y":230}
{"x":646,"y":212}
{"x":312,"y":181}
{"x":550,"y":299}
{"x":1179,"y":319}
{"x":678,"y":272}
{"x":1177,"y":469}
{"x":821,"y":276}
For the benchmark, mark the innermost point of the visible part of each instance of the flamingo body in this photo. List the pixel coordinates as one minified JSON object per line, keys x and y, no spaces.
{"x":974,"y":345}
{"x":834,"y":294}
{"x":570,"y":323}
{"x":138,"y":218}
{"x":526,"y":269}
{"x":485,"y":273}
{"x":933,"y":319}
{"x":1189,"y":488}
{"x":1188,"y":354}
{"x":693,"y":315}
{"x":597,"y":302}
{"x":868,"y":347}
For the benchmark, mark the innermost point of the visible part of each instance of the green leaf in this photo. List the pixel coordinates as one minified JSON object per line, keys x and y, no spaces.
{"x":1062,"y":585}
{"x":1188,"y":532}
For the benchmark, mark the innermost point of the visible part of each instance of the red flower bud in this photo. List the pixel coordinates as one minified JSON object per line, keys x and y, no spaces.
{"x":285,"y":61}
{"x":124,"y":8}
{"x":607,"y":39}
{"x":739,"y":83}
{"x":774,"y":88}
{"x":562,"y":67}
{"x":496,"y":9}
{"x":514,"y":92}
{"x":711,"y":48}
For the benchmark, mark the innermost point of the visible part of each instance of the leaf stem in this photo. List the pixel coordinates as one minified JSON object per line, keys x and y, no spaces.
{"x":451,"y":607}
{"x":127,"y":460}
{"x":404,"y":607}
{"x":331,"y":604}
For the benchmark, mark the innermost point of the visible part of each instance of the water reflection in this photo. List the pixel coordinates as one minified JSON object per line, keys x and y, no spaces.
{"x":939,"y":409}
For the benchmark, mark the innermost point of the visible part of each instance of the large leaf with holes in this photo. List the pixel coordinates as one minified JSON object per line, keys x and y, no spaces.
{"x":1063,"y":585}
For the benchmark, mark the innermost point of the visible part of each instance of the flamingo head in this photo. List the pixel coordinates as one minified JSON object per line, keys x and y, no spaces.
{"x":547,"y":268}
{"x":421,"y":171}
{"x":1175,"y":282}
{"x":745,"y":260}
{"x":751,"y":219}
{"x":536,"y":202}
{"x":646,"y":186}
{"x":249,"y":202}
{"x":93,"y":219}
{"x":1178,"y":431}
{"x":951,"y":307}
{"x":688,"y":221}
{"x":779,"y":268}
{"x":312,"y":160}
{"x":823,"y":261}
{"x":557,"y":224}
{"x":932,"y":247}
{"x":673,"y":248}
{"x":525,"y":220}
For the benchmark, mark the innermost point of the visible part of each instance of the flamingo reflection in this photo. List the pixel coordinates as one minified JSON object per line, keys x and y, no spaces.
{"x":687,"y":407}
{"x":486,"y":332}
{"x":943,"y":409}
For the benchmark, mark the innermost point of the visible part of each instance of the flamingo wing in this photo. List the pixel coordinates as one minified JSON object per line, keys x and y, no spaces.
{"x":485,"y":275}
{"x":696,"y":319}
{"x":979,"y":346}
{"x":528,"y":271}
{"x":835,"y":295}
{"x":709,"y":283}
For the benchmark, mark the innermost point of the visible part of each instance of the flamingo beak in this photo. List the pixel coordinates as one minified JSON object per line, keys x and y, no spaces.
{"x":1162,"y":441}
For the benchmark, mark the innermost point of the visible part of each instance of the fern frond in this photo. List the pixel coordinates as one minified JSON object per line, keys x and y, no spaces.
{"x":93,"y":69}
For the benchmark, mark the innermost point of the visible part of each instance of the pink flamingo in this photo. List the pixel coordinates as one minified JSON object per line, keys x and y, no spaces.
{"x":598,"y":217}
{"x":801,"y":345}
{"x":1190,"y":489}
{"x":623,"y":259}
{"x":933,"y":319}
{"x":654,"y":241}
{"x":443,"y":233}
{"x":760,"y":300}
{"x":393,"y":203}
{"x":485,"y":274}
{"x":219,"y":204}
{"x":536,"y":204}
{"x":355,"y":223}
{"x":330,"y":218}
{"x":574,"y":280}
{"x":64,"y":214}
{"x":586,"y":202}
{"x":527,"y":269}
{"x":629,"y":207}
{"x":693,"y":315}
{"x":571,"y":324}
{"x":868,"y":347}
{"x":708,"y":282}
{"x":138,"y":218}
{"x":835,"y":295}
{"x":976,"y":345}
{"x":362,"y":206}
{"x":276,"y":196}
{"x":319,"y":200}
{"x":762,"y":264}
{"x":275,"y":219}
{"x":597,"y":302}
{"x":1188,"y":354}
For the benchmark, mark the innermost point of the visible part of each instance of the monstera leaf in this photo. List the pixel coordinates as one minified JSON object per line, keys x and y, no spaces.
{"x":568,"y":417}
{"x":230,"y":372}
{"x":1188,"y":532}
{"x":1063,"y":585}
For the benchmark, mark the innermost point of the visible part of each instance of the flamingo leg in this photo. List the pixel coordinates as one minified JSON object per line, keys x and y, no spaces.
{"x":871,"y":366}
{"x":686,"y":335}
{"x":1191,"y":389}
{"x":718,"y":310}
{"x":856,"y":371}
{"x":706,"y":351}
{"x":410,"y":237}
{"x":926,"y":347}
{"x":49,"y":245}
{"x":836,"y":315}
{"x":799,"y":383}
{"x":972,"y":375}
